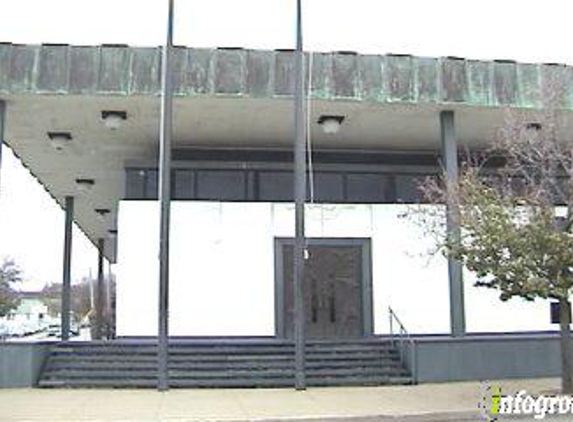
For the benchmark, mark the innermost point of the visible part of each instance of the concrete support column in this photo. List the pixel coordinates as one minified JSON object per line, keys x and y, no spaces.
{"x":100,"y":290}
{"x":450,"y":164}
{"x":67,"y":281}
{"x":299,"y":199}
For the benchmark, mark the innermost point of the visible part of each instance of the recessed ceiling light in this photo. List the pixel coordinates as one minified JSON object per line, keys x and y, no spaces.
{"x":85,"y":185}
{"x":102,"y":212}
{"x":533,"y":126}
{"x":330,"y":123}
{"x":59,"y":140}
{"x":113,"y":119}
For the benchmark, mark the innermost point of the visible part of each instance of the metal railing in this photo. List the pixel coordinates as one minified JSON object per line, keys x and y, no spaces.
{"x":405,"y":344}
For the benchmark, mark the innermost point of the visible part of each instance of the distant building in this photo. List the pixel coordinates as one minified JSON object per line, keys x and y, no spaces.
{"x":31,"y":315}
{"x":31,"y":309}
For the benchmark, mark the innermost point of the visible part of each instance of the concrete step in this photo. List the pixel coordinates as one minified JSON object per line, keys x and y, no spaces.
{"x":87,"y":365}
{"x":219,"y":373}
{"x":226,"y":383}
{"x":223,"y":364}
{"x":180,"y":350}
{"x":220,"y":357}
{"x":217,"y":341}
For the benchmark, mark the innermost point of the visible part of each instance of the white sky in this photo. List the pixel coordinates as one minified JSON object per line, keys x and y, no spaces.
{"x":526,"y":30}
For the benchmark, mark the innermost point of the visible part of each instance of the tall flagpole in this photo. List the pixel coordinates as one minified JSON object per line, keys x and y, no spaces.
{"x":299,"y":197}
{"x":165,"y":204}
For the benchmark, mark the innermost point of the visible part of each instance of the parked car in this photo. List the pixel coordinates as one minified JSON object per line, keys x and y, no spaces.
{"x":55,"y":330}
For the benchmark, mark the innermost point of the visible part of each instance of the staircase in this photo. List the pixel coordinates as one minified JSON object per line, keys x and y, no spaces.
{"x":223,"y":363}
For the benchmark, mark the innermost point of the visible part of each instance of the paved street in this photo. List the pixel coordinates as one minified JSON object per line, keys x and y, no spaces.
{"x":424,"y":403}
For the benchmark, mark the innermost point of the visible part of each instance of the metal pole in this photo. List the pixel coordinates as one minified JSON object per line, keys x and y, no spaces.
{"x":108,"y":302}
{"x":2,"y":128}
{"x":92,"y":293}
{"x":391,"y":325}
{"x":299,"y":198}
{"x":67,"y":283}
{"x":108,"y":291}
{"x":455,"y":275}
{"x":165,"y":204}
{"x":99,"y":290}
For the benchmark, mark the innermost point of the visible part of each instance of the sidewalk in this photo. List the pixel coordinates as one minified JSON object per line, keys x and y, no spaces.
{"x":427,"y":402}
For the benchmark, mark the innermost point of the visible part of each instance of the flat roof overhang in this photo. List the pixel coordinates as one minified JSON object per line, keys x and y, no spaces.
{"x":236,"y":98}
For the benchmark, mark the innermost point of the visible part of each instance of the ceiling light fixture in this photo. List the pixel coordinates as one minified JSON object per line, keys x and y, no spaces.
{"x":330,"y":124}
{"x":533,"y":126}
{"x":113,"y":119}
{"x":102,"y":213}
{"x":85,"y":185}
{"x":59,"y":140}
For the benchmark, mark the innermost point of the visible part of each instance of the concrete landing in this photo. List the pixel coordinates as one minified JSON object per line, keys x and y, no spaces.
{"x":428,"y":402}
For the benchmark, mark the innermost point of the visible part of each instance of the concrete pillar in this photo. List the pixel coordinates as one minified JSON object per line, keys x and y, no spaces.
{"x":100,"y":290}
{"x":455,"y":274}
{"x":67,"y":281}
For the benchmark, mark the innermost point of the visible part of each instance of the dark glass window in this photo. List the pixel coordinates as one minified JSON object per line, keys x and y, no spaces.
{"x":151,"y":184}
{"x":183,"y":184}
{"x":368,"y":188}
{"x":328,"y":187}
{"x":135,"y":183}
{"x":275,"y":186}
{"x":221,"y":185}
{"x":407,"y":188}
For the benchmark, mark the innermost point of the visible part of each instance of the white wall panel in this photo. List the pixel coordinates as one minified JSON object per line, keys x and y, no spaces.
{"x":222,"y":269}
{"x":137,"y":269}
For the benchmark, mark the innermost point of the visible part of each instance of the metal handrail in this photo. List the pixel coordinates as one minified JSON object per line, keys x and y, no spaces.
{"x":402,"y":339}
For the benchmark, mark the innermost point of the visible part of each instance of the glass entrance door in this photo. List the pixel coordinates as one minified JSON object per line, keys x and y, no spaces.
{"x":332,"y":290}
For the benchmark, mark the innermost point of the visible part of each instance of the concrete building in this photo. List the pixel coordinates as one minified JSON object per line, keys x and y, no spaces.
{"x":85,"y":122}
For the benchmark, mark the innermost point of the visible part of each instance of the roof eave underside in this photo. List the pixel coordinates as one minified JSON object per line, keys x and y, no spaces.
{"x":121,"y":71}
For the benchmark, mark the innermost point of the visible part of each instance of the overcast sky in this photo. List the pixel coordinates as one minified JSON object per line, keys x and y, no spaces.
{"x":526,"y":30}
